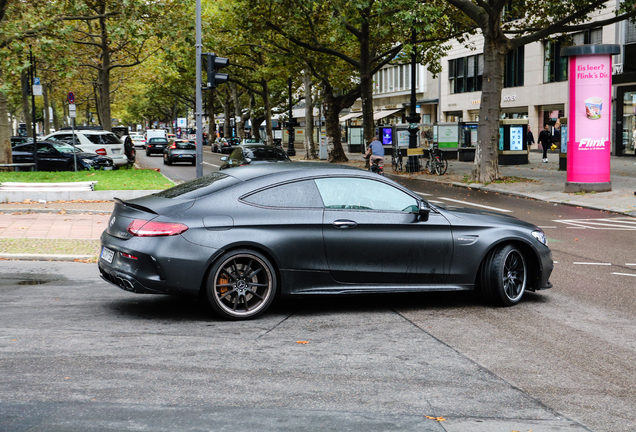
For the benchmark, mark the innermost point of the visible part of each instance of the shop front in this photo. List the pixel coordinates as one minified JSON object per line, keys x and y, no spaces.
{"x":625,"y":133}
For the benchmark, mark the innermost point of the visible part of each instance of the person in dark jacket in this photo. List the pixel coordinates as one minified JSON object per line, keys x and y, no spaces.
{"x":545,"y":138}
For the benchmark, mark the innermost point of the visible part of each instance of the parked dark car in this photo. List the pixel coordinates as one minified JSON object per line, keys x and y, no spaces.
{"x":17,"y":140}
{"x":242,"y":235}
{"x":180,"y":151}
{"x":252,"y":154}
{"x":225,"y":145}
{"x":156,"y":145}
{"x":60,"y":156}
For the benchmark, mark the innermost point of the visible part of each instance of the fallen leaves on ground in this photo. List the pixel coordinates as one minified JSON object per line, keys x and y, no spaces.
{"x":302,"y":342}
{"x":439,"y":419}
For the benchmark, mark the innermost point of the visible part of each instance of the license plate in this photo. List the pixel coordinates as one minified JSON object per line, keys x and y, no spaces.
{"x":107,"y":254}
{"x":108,"y":168}
{"x":116,"y":151}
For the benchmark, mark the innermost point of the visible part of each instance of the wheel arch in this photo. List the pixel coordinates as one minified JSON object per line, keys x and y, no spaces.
{"x":530,"y":254}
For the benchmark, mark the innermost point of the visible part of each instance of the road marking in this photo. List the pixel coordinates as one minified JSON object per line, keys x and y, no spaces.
{"x":423,"y":194}
{"x":547,"y":227}
{"x":208,"y":163}
{"x":617,"y":224}
{"x":436,"y":202}
{"x":476,"y":205}
{"x":584,"y":263}
{"x":631,"y":264}
{"x":624,"y":274}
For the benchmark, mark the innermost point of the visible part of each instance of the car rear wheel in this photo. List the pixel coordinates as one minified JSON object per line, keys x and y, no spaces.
{"x":504,"y":276}
{"x":241,"y":285}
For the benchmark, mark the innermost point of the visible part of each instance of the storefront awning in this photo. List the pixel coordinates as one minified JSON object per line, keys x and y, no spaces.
{"x":381,"y":114}
{"x":350,"y":116}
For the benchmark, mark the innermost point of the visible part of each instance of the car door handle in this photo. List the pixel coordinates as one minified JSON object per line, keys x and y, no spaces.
{"x":343,"y":223}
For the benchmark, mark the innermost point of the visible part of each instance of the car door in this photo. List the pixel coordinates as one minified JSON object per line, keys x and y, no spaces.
{"x":372,"y":234}
{"x":49,"y":159}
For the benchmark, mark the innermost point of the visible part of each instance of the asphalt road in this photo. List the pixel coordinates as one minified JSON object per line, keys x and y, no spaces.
{"x":79,"y":354}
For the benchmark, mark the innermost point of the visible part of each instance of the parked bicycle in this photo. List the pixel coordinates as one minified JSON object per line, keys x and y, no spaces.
{"x":436,"y":163}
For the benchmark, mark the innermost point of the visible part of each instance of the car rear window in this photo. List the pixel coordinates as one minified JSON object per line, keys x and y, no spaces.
{"x":158,"y":140}
{"x":109,"y":138}
{"x":266,"y":154}
{"x":199,"y":187}
{"x":185,"y":145}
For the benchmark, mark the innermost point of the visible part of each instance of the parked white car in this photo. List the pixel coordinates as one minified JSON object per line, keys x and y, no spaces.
{"x":95,"y":140}
{"x":138,"y":141}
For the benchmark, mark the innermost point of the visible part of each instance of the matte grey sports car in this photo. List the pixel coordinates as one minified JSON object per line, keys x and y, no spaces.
{"x":244,"y":235}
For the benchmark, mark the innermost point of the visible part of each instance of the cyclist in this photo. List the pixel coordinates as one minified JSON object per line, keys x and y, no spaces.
{"x":376,"y":151}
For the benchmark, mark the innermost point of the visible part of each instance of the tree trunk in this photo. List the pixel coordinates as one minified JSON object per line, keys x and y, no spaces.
{"x":238,"y":111}
{"x":269,"y":132}
{"x":226,"y":113}
{"x":47,"y":120}
{"x":486,"y":167}
{"x":103,"y":75}
{"x":26,"y":111}
{"x":366,"y":85}
{"x":5,"y":128}
{"x":310,"y":146}
{"x":56,"y":117}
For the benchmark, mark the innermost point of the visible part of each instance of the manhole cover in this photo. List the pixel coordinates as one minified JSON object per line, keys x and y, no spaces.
{"x":31,"y":282}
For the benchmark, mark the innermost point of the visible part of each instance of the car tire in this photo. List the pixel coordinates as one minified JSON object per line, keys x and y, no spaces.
{"x":166,"y":160}
{"x":241,"y":285}
{"x":147,"y":153}
{"x":504,"y":276}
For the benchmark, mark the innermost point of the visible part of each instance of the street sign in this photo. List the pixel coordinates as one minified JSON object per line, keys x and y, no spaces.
{"x":71,"y":97}
{"x":72,"y":113}
{"x":37,"y":89}
{"x":36,"y":81}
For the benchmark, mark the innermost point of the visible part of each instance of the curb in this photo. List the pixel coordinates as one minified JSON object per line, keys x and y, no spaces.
{"x":45,"y":257}
{"x":54,"y":210}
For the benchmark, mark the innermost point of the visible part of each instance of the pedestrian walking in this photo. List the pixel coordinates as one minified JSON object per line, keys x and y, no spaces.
{"x":545,"y":138}
{"x":529,"y":141}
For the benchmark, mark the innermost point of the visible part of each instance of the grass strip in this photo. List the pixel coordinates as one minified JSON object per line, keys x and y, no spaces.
{"x":50,"y":246}
{"x":121,"y":179}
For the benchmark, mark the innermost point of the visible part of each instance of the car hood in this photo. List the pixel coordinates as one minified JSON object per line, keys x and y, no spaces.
{"x":478,"y":216}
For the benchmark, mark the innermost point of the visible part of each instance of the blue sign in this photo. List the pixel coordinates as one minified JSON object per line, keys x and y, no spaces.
{"x":36,"y":81}
{"x":71,"y":98}
{"x":387,"y":136}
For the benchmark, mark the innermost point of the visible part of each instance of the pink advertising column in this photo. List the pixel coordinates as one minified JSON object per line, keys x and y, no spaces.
{"x":589,"y":117}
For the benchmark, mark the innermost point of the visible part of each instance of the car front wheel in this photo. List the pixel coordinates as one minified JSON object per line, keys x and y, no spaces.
{"x":504,"y":276}
{"x":241,"y":285}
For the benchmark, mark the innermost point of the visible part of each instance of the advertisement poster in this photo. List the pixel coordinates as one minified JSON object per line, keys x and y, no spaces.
{"x":403,"y":137}
{"x":448,"y":136}
{"x":589,"y":119}
{"x":387,"y":136}
{"x":516,"y":138}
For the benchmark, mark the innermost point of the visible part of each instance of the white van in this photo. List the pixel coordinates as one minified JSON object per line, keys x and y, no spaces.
{"x":155,"y":133}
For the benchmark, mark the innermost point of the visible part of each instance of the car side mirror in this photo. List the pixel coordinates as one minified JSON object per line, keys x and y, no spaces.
{"x":424,"y":211}
{"x":224,"y":159}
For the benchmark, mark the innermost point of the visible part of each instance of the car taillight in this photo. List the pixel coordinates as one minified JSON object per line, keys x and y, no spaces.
{"x":101,"y":151}
{"x":129,"y":256}
{"x":144,"y":228}
{"x":173,"y":146}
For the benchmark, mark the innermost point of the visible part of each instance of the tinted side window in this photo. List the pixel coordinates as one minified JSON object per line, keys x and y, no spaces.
{"x":364,"y":194}
{"x":61,"y":137}
{"x":302,"y":194}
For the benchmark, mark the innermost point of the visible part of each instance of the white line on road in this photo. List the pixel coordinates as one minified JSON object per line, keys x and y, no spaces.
{"x":476,"y":205}
{"x":583,"y":263}
{"x":208,"y":163}
{"x":634,"y":264}
{"x":546,"y":227}
{"x":436,"y":202}
{"x":423,"y":194}
{"x":577,"y":227}
{"x":624,"y":274}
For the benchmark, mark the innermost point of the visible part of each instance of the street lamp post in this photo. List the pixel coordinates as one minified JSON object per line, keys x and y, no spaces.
{"x":291,"y":123}
{"x":414,"y":117}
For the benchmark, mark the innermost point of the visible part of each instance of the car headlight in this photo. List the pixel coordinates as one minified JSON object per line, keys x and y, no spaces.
{"x":88,"y":161}
{"x":540,"y":236}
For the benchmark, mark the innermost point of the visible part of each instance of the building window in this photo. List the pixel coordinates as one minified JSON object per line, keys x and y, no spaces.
{"x":513,"y":68}
{"x":465,"y":73}
{"x":555,"y":67}
{"x":593,"y":37}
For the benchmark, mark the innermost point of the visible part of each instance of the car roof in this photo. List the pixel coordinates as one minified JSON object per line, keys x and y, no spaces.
{"x":298,"y":169}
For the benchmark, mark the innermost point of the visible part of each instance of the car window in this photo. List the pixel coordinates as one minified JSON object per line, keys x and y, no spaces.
{"x":364,"y":194}
{"x":302,"y":194}
{"x":266,"y":154}
{"x":185,"y":145}
{"x":66,"y":148}
{"x":24,"y":148}
{"x":199,"y":187}
{"x":103,"y":138}
{"x":45,"y":149}
{"x":61,"y":137}
{"x":158,"y":140}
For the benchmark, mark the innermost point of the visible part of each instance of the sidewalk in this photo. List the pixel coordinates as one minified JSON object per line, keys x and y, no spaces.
{"x":73,"y":227}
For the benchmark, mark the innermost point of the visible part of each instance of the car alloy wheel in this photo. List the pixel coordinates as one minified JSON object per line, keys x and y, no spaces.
{"x":241,"y":285}
{"x":505,"y":275}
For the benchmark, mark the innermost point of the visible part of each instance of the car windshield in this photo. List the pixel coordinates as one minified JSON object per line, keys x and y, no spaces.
{"x":158,"y":140}
{"x":137,"y":137}
{"x":107,"y":138}
{"x":65,"y":148}
{"x":265,"y":154}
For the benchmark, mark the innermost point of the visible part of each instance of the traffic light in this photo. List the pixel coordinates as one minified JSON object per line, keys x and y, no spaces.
{"x":215,"y":63}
